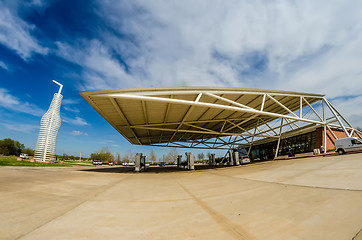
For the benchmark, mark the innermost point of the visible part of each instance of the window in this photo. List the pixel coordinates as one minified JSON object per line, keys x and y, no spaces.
{"x":354,"y":141}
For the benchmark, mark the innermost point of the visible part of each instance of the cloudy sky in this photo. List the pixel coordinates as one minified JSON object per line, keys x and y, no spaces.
{"x":308,"y":46}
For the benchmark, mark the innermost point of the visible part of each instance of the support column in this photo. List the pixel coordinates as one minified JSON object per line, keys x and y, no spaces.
{"x":280,"y":134}
{"x":324,"y":127}
{"x":230,"y":161}
{"x":252,"y":139}
{"x":236,"y":158}
{"x":190,"y":161}
{"x":179,"y":157}
{"x":138,"y":162}
{"x":212,"y":159}
{"x":143,"y":162}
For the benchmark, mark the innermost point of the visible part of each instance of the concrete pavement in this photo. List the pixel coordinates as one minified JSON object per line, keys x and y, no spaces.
{"x":310,"y":198}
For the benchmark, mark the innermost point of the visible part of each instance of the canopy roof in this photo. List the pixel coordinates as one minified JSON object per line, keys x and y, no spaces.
{"x":201,"y":117}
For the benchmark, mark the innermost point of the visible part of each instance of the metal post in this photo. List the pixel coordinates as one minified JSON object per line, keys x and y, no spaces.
{"x":324,"y":127}
{"x":358,"y":133}
{"x":252,"y":139}
{"x":335,"y":115}
{"x":280,"y":134}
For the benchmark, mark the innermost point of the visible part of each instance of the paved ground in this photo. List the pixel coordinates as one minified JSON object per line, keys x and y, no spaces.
{"x":311,"y":198}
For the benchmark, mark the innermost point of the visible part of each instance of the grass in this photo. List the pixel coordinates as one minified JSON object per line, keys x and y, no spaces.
{"x":12,"y":161}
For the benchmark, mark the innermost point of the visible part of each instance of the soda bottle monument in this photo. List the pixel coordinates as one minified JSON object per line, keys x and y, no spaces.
{"x":49,"y":128}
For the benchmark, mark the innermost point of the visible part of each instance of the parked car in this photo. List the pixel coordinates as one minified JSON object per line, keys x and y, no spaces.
{"x":245,"y":159}
{"x":350,"y":144}
{"x":24,"y":155}
{"x":131,"y":164}
{"x":97,"y":162}
{"x":111,"y":163}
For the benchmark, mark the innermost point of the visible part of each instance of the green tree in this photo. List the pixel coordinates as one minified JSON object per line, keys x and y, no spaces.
{"x":103,"y":155}
{"x":9,"y":146}
{"x":28,"y":151}
{"x":72,"y":157}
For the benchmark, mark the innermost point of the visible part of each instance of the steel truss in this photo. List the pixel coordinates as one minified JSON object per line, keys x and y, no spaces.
{"x":293,"y":117}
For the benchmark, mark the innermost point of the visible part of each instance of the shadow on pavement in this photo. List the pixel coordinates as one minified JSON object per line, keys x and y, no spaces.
{"x":151,"y":169}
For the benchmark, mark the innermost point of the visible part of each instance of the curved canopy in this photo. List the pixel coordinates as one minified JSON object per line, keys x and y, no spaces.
{"x":202,"y":117}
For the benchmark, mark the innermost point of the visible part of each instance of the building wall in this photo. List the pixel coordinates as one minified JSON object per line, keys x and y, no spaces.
{"x":290,"y":146}
{"x":302,"y":143}
{"x":330,"y":138}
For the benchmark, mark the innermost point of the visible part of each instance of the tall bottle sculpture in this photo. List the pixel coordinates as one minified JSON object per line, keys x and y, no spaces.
{"x":49,"y":128}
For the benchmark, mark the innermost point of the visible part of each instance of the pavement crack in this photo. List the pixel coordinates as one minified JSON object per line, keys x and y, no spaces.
{"x":357,"y":235}
{"x":229,"y":227}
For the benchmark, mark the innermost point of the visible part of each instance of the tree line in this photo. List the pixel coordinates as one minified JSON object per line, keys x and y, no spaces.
{"x":9,"y":147}
{"x":105,"y":155}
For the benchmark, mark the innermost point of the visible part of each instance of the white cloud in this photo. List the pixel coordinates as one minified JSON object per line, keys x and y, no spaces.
{"x":15,"y":34}
{"x":71,"y":109}
{"x":77,"y":133}
{"x":98,"y":65}
{"x":37,"y":2}
{"x":306,"y":46}
{"x":3,"y":65}
{"x":13,"y":103}
{"x":70,"y":101}
{"x":351,"y":109}
{"x":21,"y":127}
{"x":75,"y":121}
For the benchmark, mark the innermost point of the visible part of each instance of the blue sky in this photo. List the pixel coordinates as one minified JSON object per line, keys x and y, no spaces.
{"x":95,"y":45}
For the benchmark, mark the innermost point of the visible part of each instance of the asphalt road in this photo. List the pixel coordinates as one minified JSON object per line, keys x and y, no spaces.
{"x":310,"y":198}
